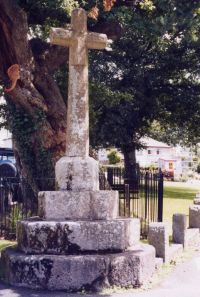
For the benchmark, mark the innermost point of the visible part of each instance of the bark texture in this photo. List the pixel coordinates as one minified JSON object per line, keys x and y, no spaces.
{"x":36,"y":91}
{"x":130,"y":164}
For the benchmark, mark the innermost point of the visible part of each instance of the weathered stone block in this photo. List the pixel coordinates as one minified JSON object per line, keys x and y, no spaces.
{"x":158,"y":237}
{"x":159,"y":263}
{"x":183,"y":235}
{"x":77,"y":174}
{"x":194,"y":216}
{"x":69,"y":237}
{"x":173,"y":251}
{"x":197,"y":201}
{"x":69,"y":205}
{"x":192,"y":238}
{"x":179,"y":227}
{"x":76,"y":272}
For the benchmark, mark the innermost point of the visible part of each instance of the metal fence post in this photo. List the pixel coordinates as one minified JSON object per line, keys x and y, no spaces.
{"x":110,"y":176}
{"x":127,"y":198}
{"x":160,"y":196}
{"x":146,"y":194}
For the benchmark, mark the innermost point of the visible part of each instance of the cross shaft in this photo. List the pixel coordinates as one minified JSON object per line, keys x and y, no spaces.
{"x":78,"y":40}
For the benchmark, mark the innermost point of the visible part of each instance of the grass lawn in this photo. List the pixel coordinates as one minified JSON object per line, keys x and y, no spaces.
{"x":6,"y":243}
{"x":177,"y":199}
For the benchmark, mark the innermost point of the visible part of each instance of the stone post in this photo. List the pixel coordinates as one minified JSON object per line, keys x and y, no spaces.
{"x":179,"y":227}
{"x":194,"y":216}
{"x":159,"y":238}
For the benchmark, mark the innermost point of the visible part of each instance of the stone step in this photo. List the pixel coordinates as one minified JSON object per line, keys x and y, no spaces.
{"x":192,"y":237}
{"x":77,"y":205}
{"x":158,"y":263}
{"x":70,"y":237}
{"x":77,"y":272}
{"x":173,"y":251}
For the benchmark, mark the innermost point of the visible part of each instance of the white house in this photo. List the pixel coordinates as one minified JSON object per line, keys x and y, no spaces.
{"x":153,"y":151}
{"x":5,"y":139}
{"x":175,"y":160}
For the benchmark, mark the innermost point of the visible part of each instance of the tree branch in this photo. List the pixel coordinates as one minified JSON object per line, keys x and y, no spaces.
{"x":15,"y":49}
{"x":47,"y":55}
{"x":14,"y":39}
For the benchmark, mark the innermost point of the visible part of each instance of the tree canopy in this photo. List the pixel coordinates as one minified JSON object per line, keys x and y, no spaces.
{"x":151,"y":75}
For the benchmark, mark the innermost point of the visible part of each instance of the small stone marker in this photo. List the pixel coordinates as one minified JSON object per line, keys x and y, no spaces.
{"x":197,"y":201}
{"x":159,"y":238}
{"x":181,"y":234}
{"x":194,"y":216}
{"x":179,"y":227}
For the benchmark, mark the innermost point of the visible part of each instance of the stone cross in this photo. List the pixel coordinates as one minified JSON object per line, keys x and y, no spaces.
{"x":79,"y":40}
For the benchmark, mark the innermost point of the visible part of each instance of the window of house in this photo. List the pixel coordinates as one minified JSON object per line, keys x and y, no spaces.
{"x":170,"y":165}
{"x":158,"y":152}
{"x":149,"y":152}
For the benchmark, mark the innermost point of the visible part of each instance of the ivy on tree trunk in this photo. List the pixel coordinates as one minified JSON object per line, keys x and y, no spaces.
{"x":36,"y":110}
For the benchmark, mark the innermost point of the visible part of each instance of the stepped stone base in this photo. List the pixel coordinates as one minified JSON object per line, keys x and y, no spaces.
{"x":70,"y":205}
{"x":76,"y":272}
{"x":77,"y":174}
{"x":72,"y":237}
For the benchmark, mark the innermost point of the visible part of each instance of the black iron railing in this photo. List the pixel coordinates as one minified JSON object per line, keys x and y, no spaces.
{"x":140,"y":196}
{"x":18,"y":201}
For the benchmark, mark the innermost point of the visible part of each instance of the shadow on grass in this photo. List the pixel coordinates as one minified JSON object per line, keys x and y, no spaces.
{"x":179,"y":193}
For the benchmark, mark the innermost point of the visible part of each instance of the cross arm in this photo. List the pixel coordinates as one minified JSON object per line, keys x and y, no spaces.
{"x":96,"y":41}
{"x":61,"y":36}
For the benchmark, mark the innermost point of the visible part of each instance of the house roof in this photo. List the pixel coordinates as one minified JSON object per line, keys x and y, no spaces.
{"x":168,"y":160}
{"x":150,"y":142}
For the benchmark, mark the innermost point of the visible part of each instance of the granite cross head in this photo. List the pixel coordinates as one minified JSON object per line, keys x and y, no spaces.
{"x":79,"y":40}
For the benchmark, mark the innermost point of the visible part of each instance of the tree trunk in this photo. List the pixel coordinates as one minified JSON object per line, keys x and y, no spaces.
{"x":36,"y":109}
{"x":130,"y":165}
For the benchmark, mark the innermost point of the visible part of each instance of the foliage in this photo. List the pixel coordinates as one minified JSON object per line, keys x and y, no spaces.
{"x":198,"y":168}
{"x":155,"y":66}
{"x":113,"y":157}
{"x":172,"y":134}
{"x":6,"y":243}
{"x":23,"y":125}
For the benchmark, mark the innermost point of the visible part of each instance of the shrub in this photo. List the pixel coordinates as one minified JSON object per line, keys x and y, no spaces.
{"x":198,"y":168}
{"x":113,"y":158}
